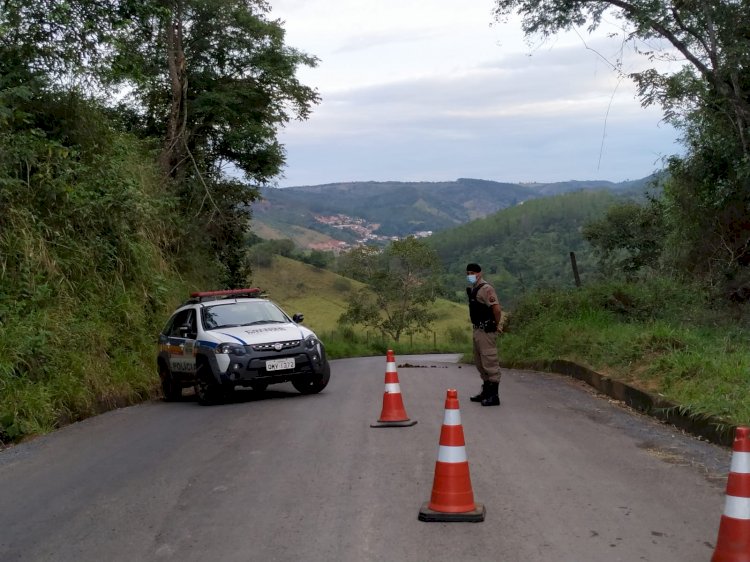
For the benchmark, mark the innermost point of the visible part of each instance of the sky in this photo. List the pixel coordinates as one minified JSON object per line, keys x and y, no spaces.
{"x":436,"y":90}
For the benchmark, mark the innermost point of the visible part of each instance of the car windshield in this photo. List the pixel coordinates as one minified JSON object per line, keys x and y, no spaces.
{"x":232,"y":314}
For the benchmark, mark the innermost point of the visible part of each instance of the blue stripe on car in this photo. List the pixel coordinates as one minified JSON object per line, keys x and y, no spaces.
{"x":235,"y":337}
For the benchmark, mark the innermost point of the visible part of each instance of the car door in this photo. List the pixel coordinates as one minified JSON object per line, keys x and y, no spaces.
{"x":182,"y":344}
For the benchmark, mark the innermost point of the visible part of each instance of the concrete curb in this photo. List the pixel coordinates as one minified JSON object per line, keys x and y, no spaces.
{"x":709,"y":428}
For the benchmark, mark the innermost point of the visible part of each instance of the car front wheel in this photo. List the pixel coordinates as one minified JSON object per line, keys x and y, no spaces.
{"x":207,"y":390}
{"x":312,"y":384}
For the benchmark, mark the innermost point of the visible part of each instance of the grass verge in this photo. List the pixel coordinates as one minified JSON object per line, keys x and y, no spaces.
{"x":656,"y":336}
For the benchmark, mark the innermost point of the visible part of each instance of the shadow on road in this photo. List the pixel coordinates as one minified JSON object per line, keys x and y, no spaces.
{"x":241,"y":396}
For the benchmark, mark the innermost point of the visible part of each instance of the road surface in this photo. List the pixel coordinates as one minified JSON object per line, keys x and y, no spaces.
{"x":565,"y":476}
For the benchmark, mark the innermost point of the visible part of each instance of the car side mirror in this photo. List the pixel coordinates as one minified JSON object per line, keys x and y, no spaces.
{"x":184,"y":331}
{"x":298,"y":318}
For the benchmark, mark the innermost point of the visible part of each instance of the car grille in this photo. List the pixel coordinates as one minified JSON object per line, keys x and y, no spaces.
{"x":276,"y":346}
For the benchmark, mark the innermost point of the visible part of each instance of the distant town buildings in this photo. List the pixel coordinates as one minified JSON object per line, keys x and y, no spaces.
{"x":365,"y":231}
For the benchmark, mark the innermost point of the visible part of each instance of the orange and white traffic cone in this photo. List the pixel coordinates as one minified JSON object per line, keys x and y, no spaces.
{"x":452,"y":496}
{"x":393,"y":413}
{"x":733,"y":544}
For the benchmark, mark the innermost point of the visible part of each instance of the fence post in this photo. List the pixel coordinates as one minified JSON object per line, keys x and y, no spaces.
{"x":575,"y":268}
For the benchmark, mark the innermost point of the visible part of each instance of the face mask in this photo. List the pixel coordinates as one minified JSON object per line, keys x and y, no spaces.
{"x":471,"y":279}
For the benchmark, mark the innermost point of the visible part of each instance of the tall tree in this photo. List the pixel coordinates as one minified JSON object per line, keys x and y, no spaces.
{"x":211,"y":81}
{"x":401,"y":286}
{"x":214,"y":79}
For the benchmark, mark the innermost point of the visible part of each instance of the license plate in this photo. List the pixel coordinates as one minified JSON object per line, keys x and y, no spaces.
{"x":280,"y":364}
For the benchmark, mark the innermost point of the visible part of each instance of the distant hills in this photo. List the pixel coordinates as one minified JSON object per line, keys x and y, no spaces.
{"x":337,"y":215}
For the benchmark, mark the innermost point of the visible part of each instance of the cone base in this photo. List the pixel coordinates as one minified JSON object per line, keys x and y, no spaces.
{"x":733,"y":543}
{"x":403,"y":423}
{"x":430,"y":516}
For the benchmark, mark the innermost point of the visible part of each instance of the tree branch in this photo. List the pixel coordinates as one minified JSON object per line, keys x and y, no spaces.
{"x":681,"y":24}
{"x":665,"y":32}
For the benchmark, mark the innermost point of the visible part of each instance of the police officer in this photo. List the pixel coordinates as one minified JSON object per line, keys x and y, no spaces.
{"x":485,"y":313}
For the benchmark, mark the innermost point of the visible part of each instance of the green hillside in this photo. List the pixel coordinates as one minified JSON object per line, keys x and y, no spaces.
{"x":301,"y":236}
{"x":526,"y":246}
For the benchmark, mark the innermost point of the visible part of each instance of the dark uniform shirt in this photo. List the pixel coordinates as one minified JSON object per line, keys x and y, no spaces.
{"x":482,"y":299}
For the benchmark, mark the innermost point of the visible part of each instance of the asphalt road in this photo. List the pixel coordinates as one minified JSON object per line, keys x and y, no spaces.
{"x":565,"y":475}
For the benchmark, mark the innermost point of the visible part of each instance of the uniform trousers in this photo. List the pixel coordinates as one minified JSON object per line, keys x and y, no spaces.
{"x":485,"y":355}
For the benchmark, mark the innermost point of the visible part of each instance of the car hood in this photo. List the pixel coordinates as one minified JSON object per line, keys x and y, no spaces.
{"x":262,"y":333}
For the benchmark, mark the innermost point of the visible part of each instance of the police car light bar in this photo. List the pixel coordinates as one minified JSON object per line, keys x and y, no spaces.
{"x":252,"y":292}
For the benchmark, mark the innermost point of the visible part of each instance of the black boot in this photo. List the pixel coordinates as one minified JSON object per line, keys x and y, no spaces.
{"x":482,"y":395}
{"x":492,"y":398}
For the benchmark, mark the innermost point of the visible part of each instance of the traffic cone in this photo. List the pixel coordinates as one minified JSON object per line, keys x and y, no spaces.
{"x":393,"y":413}
{"x":452,"y":496}
{"x":733,"y":544}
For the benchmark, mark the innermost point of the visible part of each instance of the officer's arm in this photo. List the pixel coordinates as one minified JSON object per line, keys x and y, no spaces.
{"x":497,"y":311}
{"x":494,"y":304}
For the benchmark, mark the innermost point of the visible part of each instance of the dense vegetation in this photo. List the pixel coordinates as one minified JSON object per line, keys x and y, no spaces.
{"x":113,"y":204}
{"x":85,"y":231}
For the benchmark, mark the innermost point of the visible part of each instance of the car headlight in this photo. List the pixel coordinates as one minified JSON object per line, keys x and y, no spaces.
{"x":311,"y":342}
{"x":230,"y":349}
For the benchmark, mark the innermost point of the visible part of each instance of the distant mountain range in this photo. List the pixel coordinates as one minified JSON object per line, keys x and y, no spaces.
{"x":337,"y":215}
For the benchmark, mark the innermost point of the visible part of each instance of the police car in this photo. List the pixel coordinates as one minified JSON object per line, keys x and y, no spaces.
{"x":219,"y":340}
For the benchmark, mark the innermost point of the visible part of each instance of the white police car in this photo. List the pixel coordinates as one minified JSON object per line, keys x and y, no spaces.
{"x":219,"y":340}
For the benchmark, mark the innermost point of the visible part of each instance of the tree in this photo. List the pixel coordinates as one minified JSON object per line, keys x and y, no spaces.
{"x":628,"y":238}
{"x":214,"y":81}
{"x":401,"y":287}
{"x":55,"y":39}
{"x":212,"y":78}
{"x":707,"y":198}
{"x":209,"y":81}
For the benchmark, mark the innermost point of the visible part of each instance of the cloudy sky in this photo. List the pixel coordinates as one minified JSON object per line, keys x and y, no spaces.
{"x":434,"y":90}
